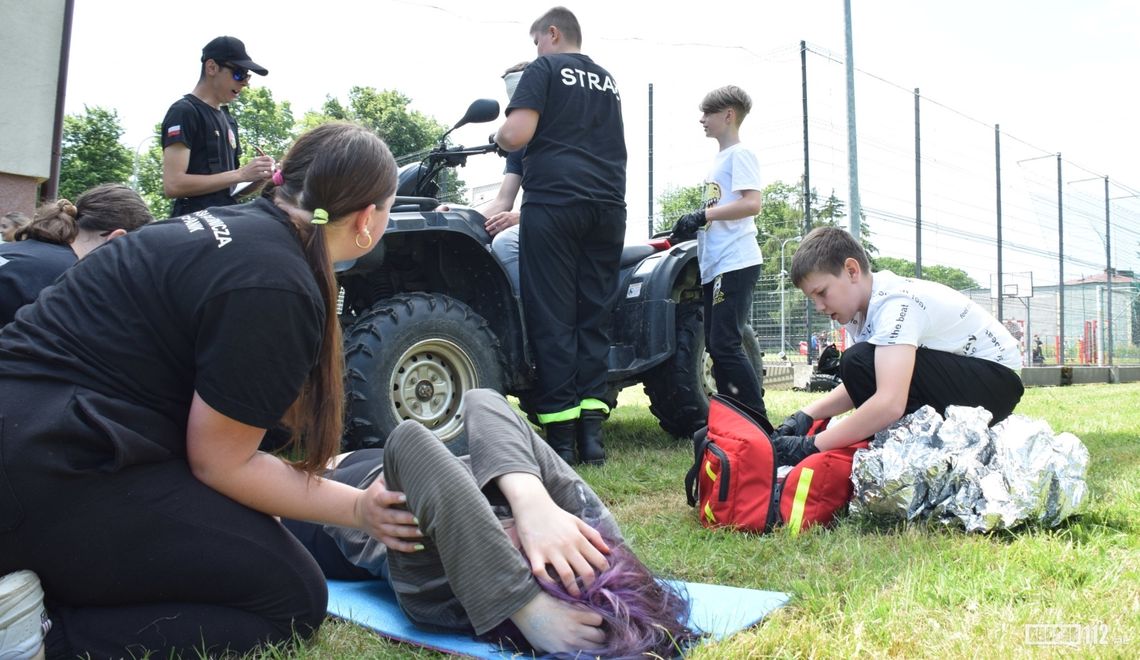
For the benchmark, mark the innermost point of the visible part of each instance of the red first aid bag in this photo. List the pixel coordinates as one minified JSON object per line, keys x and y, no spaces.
{"x":817,"y":488}
{"x":733,"y":478}
{"x":733,"y":481}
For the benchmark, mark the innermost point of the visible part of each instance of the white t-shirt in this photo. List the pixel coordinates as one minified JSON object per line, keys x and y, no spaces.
{"x":727,"y":245}
{"x":932,"y":315}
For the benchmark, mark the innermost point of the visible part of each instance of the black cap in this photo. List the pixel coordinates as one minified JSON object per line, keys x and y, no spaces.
{"x":231,"y":50}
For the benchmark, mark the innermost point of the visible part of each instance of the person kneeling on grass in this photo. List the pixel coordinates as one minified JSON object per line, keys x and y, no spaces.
{"x":575,"y":587}
{"x":134,"y":395}
{"x":917,"y":343}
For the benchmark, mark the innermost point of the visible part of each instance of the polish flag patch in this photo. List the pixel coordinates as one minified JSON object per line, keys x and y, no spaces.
{"x":174,"y":131}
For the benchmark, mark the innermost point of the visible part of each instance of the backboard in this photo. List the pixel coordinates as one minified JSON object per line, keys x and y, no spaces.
{"x":1013,"y":285}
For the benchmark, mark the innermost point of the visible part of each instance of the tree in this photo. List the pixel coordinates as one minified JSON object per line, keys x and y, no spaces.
{"x":780,"y":208}
{"x":780,"y":217}
{"x":409,"y":133}
{"x":149,"y":178}
{"x":263,"y":123}
{"x":955,"y":278}
{"x":902,"y":267}
{"x":385,"y":112}
{"x":781,"y":211}
{"x":831,"y":211}
{"x":90,"y":153}
{"x":676,"y":202}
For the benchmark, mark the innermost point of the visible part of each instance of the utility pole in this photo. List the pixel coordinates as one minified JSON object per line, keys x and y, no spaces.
{"x":852,"y":155}
{"x":917,"y":187}
{"x":1000,"y":273}
{"x":650,"y":235}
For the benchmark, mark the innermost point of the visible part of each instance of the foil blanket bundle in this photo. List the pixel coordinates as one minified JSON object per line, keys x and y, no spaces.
{"x":959,"y":471}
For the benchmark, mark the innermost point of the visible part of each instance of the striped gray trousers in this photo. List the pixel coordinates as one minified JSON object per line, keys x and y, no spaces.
{"x":470,"y":575}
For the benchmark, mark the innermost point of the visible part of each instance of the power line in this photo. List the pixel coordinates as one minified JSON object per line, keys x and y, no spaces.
{"x":822,"y":52}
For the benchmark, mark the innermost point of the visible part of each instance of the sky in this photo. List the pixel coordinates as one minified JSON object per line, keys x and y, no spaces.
{"x":1056,"y":75}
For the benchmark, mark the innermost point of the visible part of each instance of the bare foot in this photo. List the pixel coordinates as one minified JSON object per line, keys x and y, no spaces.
{"x":553,"y":626}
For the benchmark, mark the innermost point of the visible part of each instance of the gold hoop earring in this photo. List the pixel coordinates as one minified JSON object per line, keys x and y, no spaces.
{"x":356,"y":239}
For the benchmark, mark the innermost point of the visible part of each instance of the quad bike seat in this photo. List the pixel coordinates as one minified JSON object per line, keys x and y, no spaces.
{"x":631,"y":254}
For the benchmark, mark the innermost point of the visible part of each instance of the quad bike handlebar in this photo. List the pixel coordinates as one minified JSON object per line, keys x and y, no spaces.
{"x":427,"y":173}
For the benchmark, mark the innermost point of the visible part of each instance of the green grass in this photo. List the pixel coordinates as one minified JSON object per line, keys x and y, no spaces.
{"x":862,"y":589}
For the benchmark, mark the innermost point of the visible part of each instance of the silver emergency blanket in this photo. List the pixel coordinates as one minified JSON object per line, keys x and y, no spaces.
{"x":958,"y":471}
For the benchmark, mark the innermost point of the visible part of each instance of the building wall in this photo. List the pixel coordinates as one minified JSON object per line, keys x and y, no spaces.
{"x":31,"y":33}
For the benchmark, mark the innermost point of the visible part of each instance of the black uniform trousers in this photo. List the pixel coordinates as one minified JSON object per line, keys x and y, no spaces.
{"x":143,"y":557}
{"x":728,"y":302}
{"x":569,"y":260}
{"x":940,"y":379}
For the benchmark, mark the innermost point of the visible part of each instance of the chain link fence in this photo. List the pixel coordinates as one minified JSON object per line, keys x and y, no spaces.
{"x":1051,"y":247}
{"x":787,"y":329}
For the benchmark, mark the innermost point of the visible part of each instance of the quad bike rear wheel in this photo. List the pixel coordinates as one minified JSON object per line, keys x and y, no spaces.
{"x":679,"y":388}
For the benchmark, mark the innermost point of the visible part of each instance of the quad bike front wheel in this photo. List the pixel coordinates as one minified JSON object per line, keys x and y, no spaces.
{"x":414,"y":356}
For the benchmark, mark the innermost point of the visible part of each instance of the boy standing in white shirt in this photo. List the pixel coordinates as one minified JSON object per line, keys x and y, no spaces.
{"x":727,"y":251}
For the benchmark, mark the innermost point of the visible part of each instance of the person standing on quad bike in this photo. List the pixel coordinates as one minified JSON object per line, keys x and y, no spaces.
{"x":502,"y":220}
{"x":727,"y":251}
{"x":566,"y":112}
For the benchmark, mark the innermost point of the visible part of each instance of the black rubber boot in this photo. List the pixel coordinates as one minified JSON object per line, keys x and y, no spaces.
{"x":591,"y":450}
{"x":561,"y":436}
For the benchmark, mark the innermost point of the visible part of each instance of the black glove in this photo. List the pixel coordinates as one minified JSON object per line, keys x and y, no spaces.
{"x":791,"y":449}
{"x":687,"y":226}
{"x":498,"y":150}
{"x":797,"y":424}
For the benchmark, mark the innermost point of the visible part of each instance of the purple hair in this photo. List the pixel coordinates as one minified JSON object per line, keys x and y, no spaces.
{"x":640,"y":614}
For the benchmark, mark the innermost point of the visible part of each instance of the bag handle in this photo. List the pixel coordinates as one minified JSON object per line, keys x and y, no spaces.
{"x":700,"y":441}
{"x":757,"y":417}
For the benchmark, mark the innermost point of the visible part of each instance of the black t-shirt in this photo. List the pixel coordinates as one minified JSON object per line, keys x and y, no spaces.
{"x":26,"y":268}
{"x":221,"y":302}
{"x":514,"y":163}
{"x":578,"y":152}
{"x":212,"y":137}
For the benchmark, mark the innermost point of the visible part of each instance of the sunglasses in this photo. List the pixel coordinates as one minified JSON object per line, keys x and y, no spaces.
{"x":239,"y":74}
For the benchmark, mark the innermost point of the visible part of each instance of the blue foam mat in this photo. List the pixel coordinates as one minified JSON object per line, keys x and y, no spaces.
{"x":717,"y":610}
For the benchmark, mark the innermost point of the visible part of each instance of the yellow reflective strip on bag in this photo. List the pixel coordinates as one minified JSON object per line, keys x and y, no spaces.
{"x":709,"y":513}
{"x":802,"y":488}
{"x":708,"y":471}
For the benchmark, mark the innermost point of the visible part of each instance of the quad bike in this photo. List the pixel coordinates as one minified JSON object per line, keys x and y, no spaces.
{"x":430,"y":314}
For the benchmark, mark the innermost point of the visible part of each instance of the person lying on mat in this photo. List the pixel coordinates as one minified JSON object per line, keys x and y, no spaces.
{"x":575,"y":586}
{"x":917,"y":343}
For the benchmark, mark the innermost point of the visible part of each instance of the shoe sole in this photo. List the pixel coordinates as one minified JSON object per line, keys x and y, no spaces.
{"x":21,"y":615}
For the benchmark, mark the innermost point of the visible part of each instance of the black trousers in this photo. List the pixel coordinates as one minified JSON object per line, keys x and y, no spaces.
{"x":940,"y":379}
{"x":569,"y":260}
{"x":728,"y":301}
{"x":144,"y":557}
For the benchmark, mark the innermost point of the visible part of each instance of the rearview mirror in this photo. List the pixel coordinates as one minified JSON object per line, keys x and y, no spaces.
{"x":479,"y":112}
